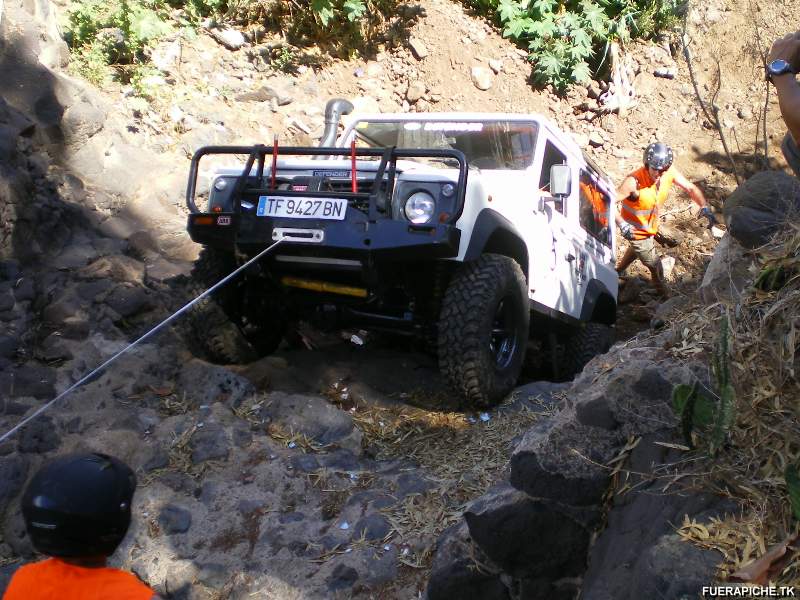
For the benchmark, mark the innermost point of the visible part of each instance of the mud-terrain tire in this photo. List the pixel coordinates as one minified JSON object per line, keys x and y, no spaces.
{"x":588,"y":340}
{"x":208,"y":328}
{"x":483,"y":329}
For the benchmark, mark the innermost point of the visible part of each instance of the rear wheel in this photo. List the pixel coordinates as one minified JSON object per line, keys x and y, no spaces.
{"x":483,"y":329}
{"x":589,"y":340}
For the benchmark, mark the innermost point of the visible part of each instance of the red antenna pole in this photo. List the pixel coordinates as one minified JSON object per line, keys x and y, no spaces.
{"x":274,"y":160}
{"x":353,"y":176}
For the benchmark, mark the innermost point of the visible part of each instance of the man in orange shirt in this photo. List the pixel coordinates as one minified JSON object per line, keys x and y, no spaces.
{"x":641,"y":194}
{"x":77,"y":510}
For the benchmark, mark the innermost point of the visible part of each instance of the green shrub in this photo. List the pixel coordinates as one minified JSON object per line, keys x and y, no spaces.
{"x":343,"y":25}
{"x":700,"y":412}
{"x":568,"y":40}
{"x":110,"y":39}
{"x":104,"y":34}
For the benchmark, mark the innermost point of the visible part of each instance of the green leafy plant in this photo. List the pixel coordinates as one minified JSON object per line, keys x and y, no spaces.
{"x":284,"y":60}
{"x":725,"y":413}
{"x":698,"y":411}
{"x":569,"y":39}
{"x":200,"y":9}
{"x":112,"y":34}
{"x":112,"y":39}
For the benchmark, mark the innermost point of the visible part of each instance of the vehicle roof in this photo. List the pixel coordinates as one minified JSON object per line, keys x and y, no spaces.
{"x":452,"y":116}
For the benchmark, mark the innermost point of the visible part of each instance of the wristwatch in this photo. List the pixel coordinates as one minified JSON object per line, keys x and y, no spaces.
{"x":778,"y":67}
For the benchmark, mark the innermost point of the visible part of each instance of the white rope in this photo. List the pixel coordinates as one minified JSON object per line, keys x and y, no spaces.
{"x":169,"y":319}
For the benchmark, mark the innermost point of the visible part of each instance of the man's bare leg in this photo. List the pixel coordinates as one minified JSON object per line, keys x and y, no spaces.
{"x":658,"y":281}
{"x":626,"y":260}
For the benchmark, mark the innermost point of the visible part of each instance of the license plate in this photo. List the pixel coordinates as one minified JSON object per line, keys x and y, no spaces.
{"x":298,"y":207}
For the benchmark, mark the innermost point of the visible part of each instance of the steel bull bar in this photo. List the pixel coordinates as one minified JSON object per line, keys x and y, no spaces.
{"x":264,"y":180}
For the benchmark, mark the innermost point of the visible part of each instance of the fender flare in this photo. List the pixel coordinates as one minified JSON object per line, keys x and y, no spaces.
{"x":598,"y":296}
{"x":486,"y":224}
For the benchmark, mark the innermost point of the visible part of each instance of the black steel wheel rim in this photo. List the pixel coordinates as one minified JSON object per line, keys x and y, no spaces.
{"x":503,"y":340}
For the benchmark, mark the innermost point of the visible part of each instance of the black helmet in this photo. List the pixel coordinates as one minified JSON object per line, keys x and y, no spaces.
{"x":659,"y":156}
{"x":79,"y":505}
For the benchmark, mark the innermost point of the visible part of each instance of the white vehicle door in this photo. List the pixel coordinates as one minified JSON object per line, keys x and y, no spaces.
{"x":591,"y":232}
{"x":565,"y":289}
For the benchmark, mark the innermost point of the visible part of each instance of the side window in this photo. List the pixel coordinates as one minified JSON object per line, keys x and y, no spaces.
{"x":594,"y":208}
{"x":552,"y":156}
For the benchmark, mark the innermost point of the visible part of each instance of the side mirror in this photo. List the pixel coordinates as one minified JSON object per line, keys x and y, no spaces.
{"x":560,"y":181}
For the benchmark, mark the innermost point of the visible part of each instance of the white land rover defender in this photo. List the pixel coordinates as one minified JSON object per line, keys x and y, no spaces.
{"x":476,"y":231}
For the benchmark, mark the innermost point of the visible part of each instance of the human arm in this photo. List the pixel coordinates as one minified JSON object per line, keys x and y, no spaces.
{"x":696,"y":194}
{"x":788,"y":48}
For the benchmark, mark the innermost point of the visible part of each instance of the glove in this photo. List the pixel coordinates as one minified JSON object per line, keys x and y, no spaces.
{"x":634,"y":195}
{"x":706,"y":212}
{"x":627,"y":231}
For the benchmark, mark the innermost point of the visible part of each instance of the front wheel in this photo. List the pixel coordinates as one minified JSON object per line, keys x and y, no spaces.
{"x":483,"y":329}
{"x":208,"y":327}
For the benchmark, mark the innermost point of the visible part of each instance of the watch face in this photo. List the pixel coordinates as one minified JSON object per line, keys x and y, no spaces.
{"x":779,"y":67}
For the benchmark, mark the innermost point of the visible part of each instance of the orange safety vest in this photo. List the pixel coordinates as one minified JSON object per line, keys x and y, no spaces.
{"x":53,"y":579}
{"x":598,"y":202}
{"x":642,"y":213}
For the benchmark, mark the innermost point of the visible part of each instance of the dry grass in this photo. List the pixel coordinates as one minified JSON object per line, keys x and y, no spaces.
{"x":462,"y":454}
{"x":766,"y":437}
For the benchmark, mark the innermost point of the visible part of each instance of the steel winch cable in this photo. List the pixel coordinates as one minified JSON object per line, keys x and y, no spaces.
{"x":92,"y":374}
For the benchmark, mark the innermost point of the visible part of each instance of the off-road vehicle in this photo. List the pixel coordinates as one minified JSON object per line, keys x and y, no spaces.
{"x":473,"y":231}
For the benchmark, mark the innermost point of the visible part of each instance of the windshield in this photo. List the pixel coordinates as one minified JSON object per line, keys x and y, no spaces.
{"x":487,"y":145}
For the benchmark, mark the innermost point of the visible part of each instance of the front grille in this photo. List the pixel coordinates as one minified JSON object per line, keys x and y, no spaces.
{"x":365,"y":186}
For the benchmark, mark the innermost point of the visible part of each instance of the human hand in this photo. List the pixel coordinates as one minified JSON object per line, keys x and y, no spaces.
{"x":634,"y":195}
{"x":706,"y":212}
{"x":627,"y":231}
{"x":788,"y":49}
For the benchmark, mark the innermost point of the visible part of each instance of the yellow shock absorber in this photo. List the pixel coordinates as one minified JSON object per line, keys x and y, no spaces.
{"x":324,"y":286}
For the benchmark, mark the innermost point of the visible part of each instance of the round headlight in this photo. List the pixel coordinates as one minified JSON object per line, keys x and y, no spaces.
{"x":419,"y":207}
{"x":220,"y":184}
{"x":448,"y":189}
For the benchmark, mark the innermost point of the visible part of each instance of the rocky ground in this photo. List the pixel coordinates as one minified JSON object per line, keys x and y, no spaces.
{"x":330,"y":472}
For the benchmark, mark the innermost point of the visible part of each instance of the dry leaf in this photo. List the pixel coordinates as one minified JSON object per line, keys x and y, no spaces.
{"x":759,"y":570}
{"x":673,"y":446}
{"x":161,"y":392}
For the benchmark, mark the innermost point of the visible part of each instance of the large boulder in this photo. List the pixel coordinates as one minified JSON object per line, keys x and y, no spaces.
{"x":727,"y":274}
{"x":761,"y":206}
{"x":529,"y":537}
{"x":456,"y":573}
{"x":564,"y":460}
{"x":638,"y":555}
{"x":544,"y":466}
